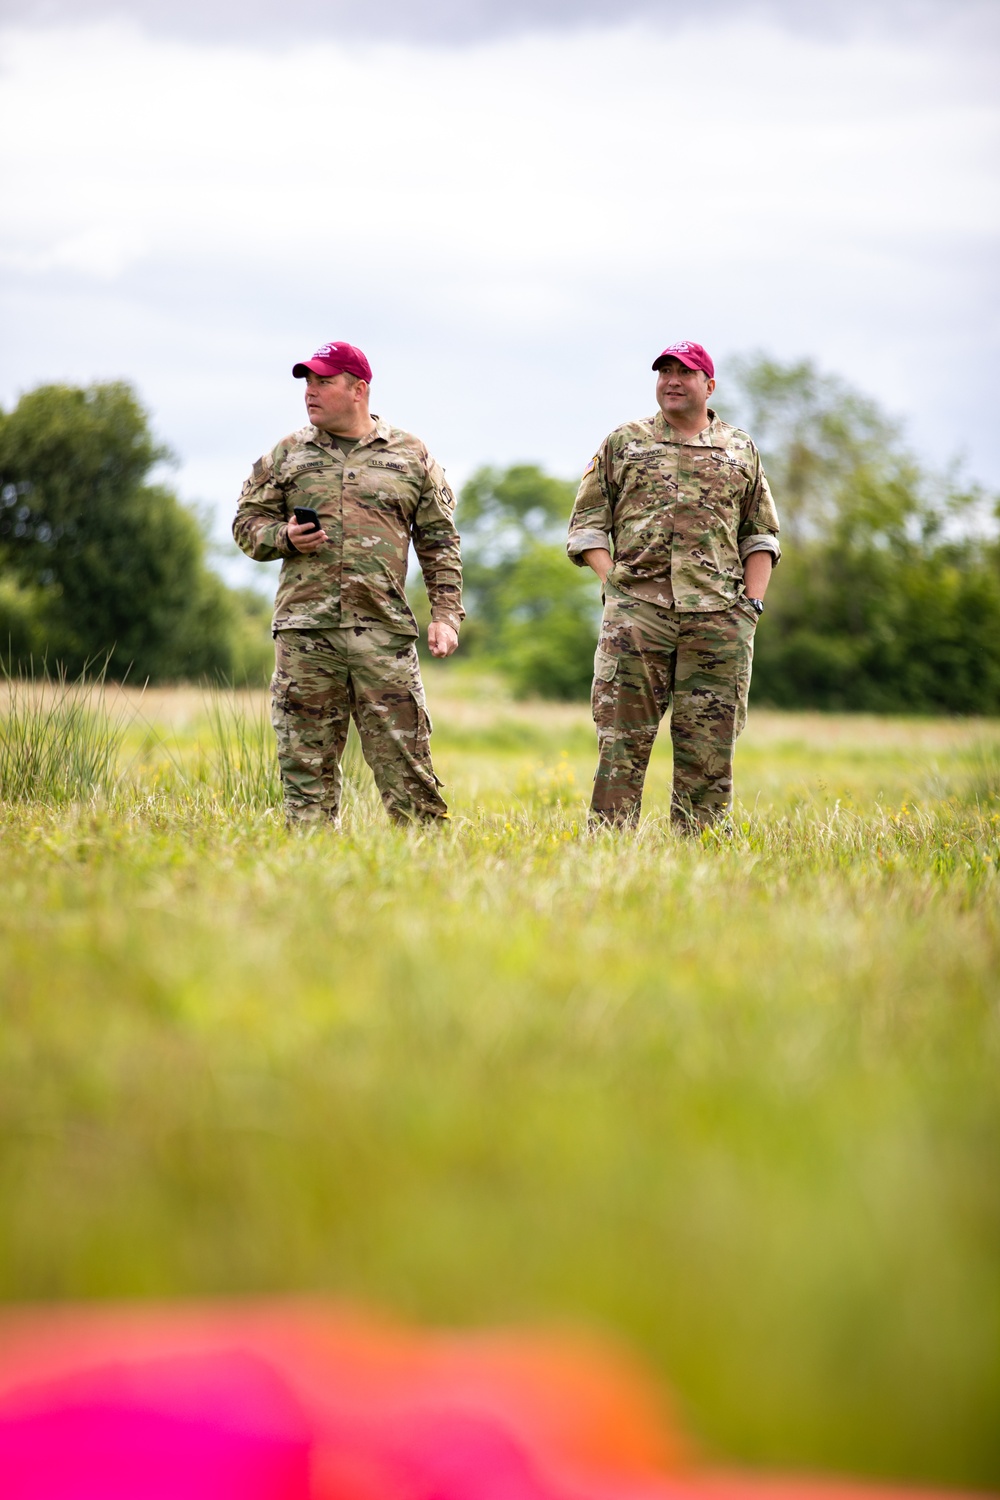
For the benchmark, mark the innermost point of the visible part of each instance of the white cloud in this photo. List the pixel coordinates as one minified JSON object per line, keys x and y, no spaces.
{"x":509,"y":229}
{"x":528,"y":155}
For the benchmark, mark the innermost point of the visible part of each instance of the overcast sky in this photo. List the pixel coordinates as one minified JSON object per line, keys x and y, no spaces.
{"x":457,"y":22}
{"x":510,"y":215}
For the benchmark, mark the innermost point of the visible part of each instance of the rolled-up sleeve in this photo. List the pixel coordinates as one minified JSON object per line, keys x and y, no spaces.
{"x":758,"y":531}
{"x":760,"y":543}
{"x":590,"y":523}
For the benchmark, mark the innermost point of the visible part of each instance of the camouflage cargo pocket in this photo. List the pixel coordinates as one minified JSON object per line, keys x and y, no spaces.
{"x":417,"y":694}
{"x":605,"y":665}
{"x":424,"y":730}
{"x":743,"y":674}
{"x":602,"y":697}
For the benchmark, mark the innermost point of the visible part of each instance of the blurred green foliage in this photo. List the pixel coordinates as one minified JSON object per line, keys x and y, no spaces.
{"x":888,"y":595}
{"x":98,"y":563}
{"x":531,"y":614}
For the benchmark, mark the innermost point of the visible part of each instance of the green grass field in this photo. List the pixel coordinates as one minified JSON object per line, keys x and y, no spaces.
{"x":734,"y":1100}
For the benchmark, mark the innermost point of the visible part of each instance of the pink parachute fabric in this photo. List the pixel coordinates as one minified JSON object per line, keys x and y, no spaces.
{"x":311,"y":1401}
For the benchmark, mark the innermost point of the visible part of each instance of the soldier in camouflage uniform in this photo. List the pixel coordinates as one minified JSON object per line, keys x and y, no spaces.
{"x":684,"y":502}
{"x":344,"y":633}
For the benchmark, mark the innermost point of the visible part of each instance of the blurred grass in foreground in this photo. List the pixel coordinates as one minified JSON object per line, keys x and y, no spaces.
{"x":736,"y":1100}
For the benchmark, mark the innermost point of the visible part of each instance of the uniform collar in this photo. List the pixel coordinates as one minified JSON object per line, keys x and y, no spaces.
{"x":707,"y":438}
{"x":380,"y":433}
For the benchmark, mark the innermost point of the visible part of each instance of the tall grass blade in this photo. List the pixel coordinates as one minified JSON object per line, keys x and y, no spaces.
{"x":58,"y":742}
{"x":243,"y":769}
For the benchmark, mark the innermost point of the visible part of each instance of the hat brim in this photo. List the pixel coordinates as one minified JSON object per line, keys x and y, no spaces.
{"x":688,"y":365}
{"x":317,"y":366}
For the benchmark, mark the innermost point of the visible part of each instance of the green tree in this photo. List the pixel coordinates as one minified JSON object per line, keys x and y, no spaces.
{"x":888,"y":597}
{"x":252,"y":647}
{"x":816,"y":433}
{"x":531,"y":613}
{"x":95,"y":559}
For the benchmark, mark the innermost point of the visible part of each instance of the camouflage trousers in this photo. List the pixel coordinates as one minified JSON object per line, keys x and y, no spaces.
{"x":323,"y":679}
{"x":698,"y":665}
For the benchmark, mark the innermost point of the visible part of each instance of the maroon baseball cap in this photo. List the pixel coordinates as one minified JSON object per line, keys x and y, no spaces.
{"x":692,"y":355}
{"x":335,"y":359}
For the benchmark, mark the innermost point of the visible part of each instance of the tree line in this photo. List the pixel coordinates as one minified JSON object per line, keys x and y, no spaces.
{"x":100,"y":566}
{"x":887,"y":598}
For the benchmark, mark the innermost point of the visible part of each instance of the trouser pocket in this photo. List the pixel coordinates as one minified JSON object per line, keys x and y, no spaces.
{"x":602,"y":693}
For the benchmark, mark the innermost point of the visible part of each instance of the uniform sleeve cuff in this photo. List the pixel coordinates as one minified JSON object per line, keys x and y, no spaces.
{"x":282,"y":544}
{"x":445,"y":617}
{"x":760,"y":543}
{"x":583,"y":541}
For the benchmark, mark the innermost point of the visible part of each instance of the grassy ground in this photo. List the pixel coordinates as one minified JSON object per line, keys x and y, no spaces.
{"x":734,"y":1099}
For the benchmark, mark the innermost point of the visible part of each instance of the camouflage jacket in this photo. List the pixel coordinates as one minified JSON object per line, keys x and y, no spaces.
{"x":372,"y":502}
{"x":682,"y":513}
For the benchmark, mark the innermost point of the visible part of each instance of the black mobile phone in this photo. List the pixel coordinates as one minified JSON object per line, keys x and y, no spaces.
{"x":306,"y":516}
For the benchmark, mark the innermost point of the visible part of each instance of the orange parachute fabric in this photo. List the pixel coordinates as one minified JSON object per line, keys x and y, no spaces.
{"x":307,"y":1400}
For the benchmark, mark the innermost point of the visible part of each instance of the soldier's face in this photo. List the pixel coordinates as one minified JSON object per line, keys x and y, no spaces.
{"x":332,"y":400}
{"x":681,"y":392}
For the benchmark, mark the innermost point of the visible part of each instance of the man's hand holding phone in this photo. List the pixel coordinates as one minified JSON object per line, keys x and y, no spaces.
{"x":305,"y":532}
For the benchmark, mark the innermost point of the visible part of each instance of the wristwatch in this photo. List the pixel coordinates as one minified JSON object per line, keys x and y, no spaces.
{"x":755,"y":604}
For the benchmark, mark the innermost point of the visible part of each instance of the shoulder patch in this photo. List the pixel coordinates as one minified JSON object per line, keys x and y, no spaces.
{"x":259,"y":470}
{"x":591,"y":466}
